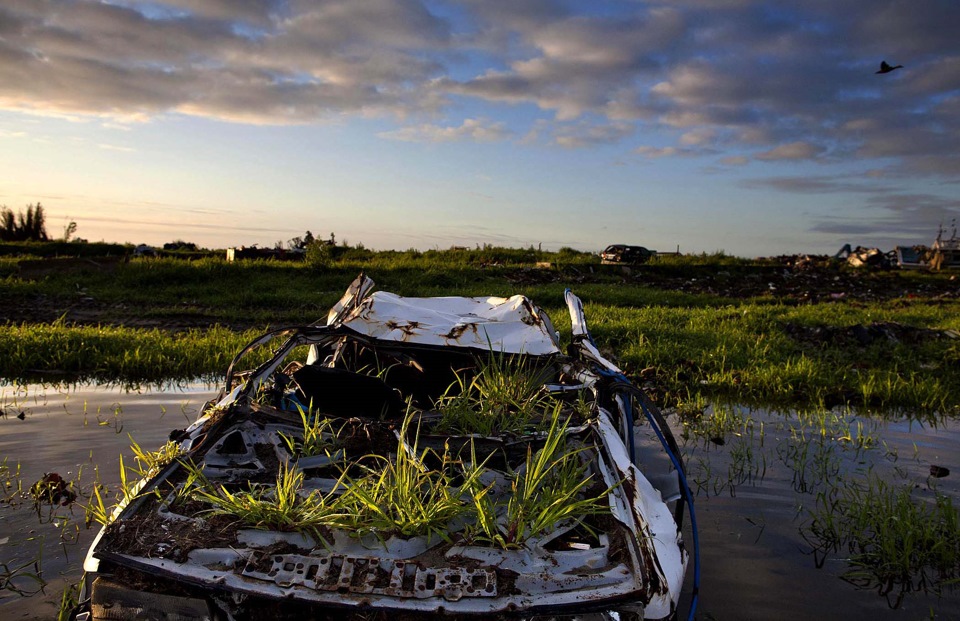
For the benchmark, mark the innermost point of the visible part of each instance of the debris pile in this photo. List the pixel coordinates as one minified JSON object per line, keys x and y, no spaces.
{"x":864,"y":336}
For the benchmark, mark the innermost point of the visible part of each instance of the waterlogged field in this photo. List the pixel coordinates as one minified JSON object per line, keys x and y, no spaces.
{"x":772,"y":491}
{"x":83,"y":435}
{"x":825,"y":514}
{"x":833,"y":494}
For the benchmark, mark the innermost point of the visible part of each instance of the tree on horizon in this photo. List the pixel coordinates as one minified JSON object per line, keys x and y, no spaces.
{"x":23,"y":226}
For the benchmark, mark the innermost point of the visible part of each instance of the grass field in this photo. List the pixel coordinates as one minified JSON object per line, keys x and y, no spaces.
{"x":690,"y":328}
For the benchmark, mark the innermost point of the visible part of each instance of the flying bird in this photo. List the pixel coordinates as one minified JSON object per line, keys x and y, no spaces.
{"x":885,"y":68}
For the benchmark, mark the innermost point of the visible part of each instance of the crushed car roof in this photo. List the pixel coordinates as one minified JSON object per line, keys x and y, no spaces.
{"x":510,"y":325}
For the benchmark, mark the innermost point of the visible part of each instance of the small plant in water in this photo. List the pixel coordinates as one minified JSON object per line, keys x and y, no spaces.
{"x":11,"y":484}
{"x":68,"y":600}
{"x":745,"y":465}
{"x":97,"y":509}
{"x":17,"y":578}
{"x":893,"y":542}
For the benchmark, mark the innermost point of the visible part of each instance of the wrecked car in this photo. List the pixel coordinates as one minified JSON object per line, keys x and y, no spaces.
{"x":943,"y":253}
{"x":622,"y":253}
{"x":412,"y":457}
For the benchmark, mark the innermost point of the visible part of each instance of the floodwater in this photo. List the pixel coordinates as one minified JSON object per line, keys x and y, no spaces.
{"x":753,"y":497}
{"x":755,"y":476}
{"x":75,"y":432}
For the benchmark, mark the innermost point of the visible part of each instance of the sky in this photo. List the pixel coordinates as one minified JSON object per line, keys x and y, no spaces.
{"x":752,"y":127}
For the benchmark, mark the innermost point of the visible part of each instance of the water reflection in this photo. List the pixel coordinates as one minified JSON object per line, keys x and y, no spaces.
{"x":756,"y":476}
{"x":79,"y":433}
{"x":767,"y":482}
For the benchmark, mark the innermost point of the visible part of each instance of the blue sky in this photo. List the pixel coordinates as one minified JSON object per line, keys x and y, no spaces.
{"x":753,"y":127}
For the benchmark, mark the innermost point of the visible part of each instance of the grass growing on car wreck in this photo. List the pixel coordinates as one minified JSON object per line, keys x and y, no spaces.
{"x":393,"y":496}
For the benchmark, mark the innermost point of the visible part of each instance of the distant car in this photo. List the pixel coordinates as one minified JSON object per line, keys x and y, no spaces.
{"x":144,"y":250}
{"x":622,"y":253}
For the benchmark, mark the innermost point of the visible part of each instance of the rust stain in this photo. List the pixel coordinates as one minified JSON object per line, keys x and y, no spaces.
{"x":457,"y":331}
{"x":409,"y":328}
{"x":531,"y":318}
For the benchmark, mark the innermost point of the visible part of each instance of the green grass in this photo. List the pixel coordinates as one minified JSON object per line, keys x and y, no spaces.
{"x":128,"y":355}
{"x":68,"y":601}
{"x":718,"y":425}
{"x":701,"y":346}
{"x":318,"y":435}
{"x":149,"y":463}
{"x":11,"y":483}
{"x":24,"y":580}
{"x":502,"y":397}
{"x":29,"y":249}
{"x":282,"y":507}
{"x":891,"y":540}
{"x":551,"y":488}
{"x":390,"y":496}
{"x":743,"y":353}
{"x":402,"y":496}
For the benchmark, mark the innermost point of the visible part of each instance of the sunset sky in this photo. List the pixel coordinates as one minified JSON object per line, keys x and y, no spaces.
{"x":753,"y":127}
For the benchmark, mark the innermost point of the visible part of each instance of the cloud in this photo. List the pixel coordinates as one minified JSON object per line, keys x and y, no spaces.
{"x":816,"y":185}
{"x":588,"y":134}
{"x":254,"y":12}
{"x":113,"y":147}
{"x":478,"y":130}
{"x":792,"y":83}
{"x":885,"y":214}
{"x":573,"y":64}
{"x":701,"y":136}
{"x":793,"y":151}
{"x":735,"y":160}
{"x":901,"y":218}
{"x":904,"y":28}
{"x":189,"y":227}
{"x":235,"y":61}
{"x":658,"y":152}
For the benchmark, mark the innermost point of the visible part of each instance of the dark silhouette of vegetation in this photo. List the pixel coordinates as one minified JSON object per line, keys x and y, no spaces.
{"x":23,"y":226}
{"x":179,"y":244}
{"x":69,"y":231}
{"x":76,"y":247}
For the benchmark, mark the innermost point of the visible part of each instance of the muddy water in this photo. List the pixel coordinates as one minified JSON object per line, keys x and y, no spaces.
{"x":755,"y":477}
{"x":753,"y":495}
{"x":79,"y":434}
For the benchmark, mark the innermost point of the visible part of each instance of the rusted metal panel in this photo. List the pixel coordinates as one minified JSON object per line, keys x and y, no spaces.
{"x":506,"y":325}
{"x":372,"y":574}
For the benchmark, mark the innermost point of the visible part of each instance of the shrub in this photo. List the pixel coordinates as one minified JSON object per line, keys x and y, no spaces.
{"x":23,"y":226}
